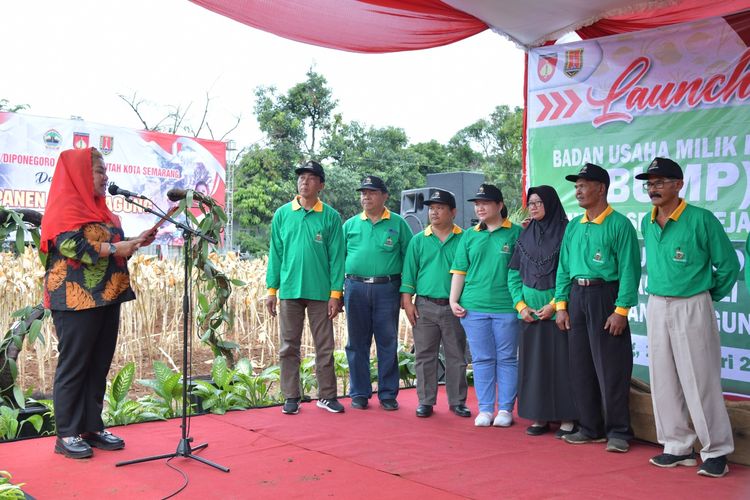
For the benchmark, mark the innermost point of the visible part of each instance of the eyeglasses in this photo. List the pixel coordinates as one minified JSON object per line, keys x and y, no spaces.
{"x":657,"y":184}
{"x":535,"y":204}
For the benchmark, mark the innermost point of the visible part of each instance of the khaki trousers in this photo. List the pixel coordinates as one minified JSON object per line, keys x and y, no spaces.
{"x":685,"y":369}
{"x":291,"y":324}
{"x":435,"y":324}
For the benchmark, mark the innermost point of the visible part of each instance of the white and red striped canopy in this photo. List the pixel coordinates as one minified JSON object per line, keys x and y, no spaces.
{"x":376,"y":26}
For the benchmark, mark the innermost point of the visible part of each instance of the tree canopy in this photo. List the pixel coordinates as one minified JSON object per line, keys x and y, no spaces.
{"x":302,"y":124}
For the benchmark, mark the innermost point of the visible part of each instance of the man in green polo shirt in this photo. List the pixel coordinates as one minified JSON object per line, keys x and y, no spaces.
{"x":427,"y":275}
{"x":306,"y":271}
{"x":597,"y":283}
{"x":691,"y":263}
{"x":376,"y":243}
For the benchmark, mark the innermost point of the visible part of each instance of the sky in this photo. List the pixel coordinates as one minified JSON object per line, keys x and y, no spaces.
{"x":73,"y":57}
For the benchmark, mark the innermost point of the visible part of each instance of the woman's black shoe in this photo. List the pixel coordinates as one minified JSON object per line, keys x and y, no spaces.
{"x":537,"y":430}
{"x":104,"y":440}
{"x":561,"y":433}
{"x":73,"y":447}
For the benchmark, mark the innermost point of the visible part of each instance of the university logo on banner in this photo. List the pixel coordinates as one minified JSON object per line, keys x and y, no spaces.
{"x":573,"y":62}
{"x":80,"y":140}
{"x":52,"y":138}
{"x":546,"y":67}
{"x":106,"y":143}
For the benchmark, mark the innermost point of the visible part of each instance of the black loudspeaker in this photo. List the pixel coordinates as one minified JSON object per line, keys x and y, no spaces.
{"x":463,"y":185}
{"x":413,"y":209}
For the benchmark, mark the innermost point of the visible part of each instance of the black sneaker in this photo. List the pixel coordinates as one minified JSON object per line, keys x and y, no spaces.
{"x":331,"y":405}
{"x":669,"y":460}
{"x":581,"y":438}
{"x":359,"y":402}
{"x":389,"y":404}
{"x":714,"y":467}
{"x":291,"y":406}
{"x":617,"y":445}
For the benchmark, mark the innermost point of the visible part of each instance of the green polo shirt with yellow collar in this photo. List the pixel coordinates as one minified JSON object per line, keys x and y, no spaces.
{"x":691,"y":254}
{"x":603,"y":248}
{"x":376,"y":249}
{"x":428,"y":263}
{"x":306,"y":254}
{"x":483,"y":256}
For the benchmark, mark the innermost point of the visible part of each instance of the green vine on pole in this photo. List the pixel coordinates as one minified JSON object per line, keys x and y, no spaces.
{"x":28,"y":324}
{"x":215,"y":287}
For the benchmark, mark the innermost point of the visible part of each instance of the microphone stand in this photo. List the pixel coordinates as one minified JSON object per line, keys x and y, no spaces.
{"x":184,"y":447}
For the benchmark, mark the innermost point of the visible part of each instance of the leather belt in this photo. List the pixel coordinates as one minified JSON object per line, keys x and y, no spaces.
{"x":374,"y":279}
{"x":589,"y":281}
{"x":440,"y":302}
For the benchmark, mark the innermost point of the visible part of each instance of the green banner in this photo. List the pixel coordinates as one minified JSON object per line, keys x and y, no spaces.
{"x":681,"y":92}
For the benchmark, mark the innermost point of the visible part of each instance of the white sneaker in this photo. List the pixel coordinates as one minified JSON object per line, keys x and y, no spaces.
{"x":503,"y":419}
{"x":484,"y":419}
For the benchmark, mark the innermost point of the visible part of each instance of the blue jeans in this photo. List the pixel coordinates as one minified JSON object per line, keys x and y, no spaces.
{"x":372,"y":309}
{"x":493,"y":341}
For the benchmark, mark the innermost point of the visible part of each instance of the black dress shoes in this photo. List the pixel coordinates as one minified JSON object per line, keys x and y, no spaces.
{"x":424,"y":410}
{"x":389,"y":404}
{"x":461,"y":410}
{"x":104,"y":440}
{"x":73,"y":447}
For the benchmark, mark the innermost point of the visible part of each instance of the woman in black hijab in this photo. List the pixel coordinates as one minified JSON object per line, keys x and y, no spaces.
{"x":544,"y":393}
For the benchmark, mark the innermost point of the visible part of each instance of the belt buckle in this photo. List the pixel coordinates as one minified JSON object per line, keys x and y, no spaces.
{"x":369,"y":280}
{"x":583,"y":282}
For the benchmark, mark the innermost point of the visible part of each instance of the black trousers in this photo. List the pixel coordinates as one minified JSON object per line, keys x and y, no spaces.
{"x":600,"y":363}
{"x":86,"y":344}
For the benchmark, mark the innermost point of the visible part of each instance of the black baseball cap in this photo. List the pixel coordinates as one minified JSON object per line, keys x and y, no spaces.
{"x":313,"y":167}
{"x":488,"y":192}
{"x":372,"y":183}
{"x":591,"y":172}
{"x":662,"y":167}
{"x":441,"y":196}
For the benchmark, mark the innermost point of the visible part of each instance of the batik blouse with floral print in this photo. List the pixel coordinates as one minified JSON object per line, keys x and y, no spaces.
{"x":78,"y":278}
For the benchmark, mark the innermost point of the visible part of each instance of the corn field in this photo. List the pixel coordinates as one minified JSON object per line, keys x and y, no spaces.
{"x":151,"y":326}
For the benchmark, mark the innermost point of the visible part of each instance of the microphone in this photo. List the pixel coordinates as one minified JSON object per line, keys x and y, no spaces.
{"x":177,"y":194}
{"x":114,"y":190}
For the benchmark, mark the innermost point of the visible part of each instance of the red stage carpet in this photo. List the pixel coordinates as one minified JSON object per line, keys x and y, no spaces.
{"x":360,"y":454}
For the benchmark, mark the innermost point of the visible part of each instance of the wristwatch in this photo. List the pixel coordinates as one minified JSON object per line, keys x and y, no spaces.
{"x":112,"y":249}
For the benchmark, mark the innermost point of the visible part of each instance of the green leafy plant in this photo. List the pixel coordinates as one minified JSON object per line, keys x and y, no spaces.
{"x":119,"y":410}
{"x":48,"y":417}
{"x":341,"y":369}
{"x":222,"y":395}
{"x":167,"y":400}
{"x":373,"y":369}
{"x":10,"y":427}
{"x":307,"y":378}
{"x":407,"y":369}
{"x":257,"y":388}
{"x":9,"y":490}
{"x":28,"y":326}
